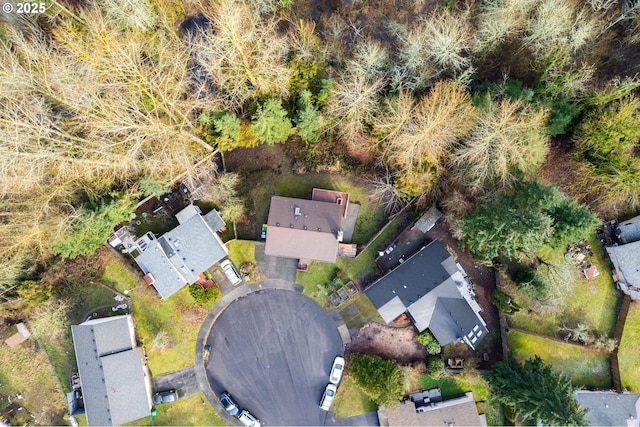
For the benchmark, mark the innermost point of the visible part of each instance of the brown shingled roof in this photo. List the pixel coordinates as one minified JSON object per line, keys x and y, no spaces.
{"x":460,"y":411}
{"x":299,"y":228}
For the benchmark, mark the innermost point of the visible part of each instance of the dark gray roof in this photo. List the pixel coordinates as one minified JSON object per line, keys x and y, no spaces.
{"x":626,"y":260}
{"x":607,"y":408}
{"x":214,"y":220}
{"x":431,"y":289}
{"x":412,"y":279}
{"x":115,"y":384}
{"x":180,"y":255}
{"x":629,"y":231}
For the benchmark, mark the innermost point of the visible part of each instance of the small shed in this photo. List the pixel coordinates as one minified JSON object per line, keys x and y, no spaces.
{"x":19,"y":337}
{"x":428,"y":220}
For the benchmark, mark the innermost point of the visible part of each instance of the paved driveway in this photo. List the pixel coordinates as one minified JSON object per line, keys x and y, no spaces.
{"x":275,"y":267}
{"x":272,"y":350}
{"x":184,"y":382}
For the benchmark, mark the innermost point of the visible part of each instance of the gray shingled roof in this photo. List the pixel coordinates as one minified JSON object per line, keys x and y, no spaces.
{"x":607,"y":408}
{"x":626,"y":260}
{"x":115,"y":384}
{"x":629,"y":231}
{"x":427,"y":287}
{"x":179,"y":256}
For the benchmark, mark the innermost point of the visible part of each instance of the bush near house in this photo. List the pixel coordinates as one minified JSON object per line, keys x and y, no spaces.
{"x":379,"y":379}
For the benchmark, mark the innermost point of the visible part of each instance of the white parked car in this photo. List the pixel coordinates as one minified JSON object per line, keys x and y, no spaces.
{"x":231,"y":272}
{"x":327,"y":397}
{"x":336,"y":370}
{"x":248,"y":420}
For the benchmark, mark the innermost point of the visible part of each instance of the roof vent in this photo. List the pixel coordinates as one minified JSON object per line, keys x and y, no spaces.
{"x":277,"y":224}
{"x":290,"y":225}
{"x":319,"y":229}
{"x":304,"y":227}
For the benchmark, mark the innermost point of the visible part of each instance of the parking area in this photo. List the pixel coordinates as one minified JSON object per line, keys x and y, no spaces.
{"x":275,"y":267}
{"x":272,"y":351}
{"x":184,"y":382}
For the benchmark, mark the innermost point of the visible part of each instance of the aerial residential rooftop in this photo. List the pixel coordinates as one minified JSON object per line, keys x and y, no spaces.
{"x":116,"y":386}
{"x":179,"y":256}
{"x":432,"y":290}
{"x":306,"y":229}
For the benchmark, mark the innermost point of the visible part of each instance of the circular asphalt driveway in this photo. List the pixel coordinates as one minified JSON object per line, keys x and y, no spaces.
{"x":272,"y":351}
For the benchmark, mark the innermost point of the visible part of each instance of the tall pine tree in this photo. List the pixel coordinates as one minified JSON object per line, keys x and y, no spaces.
{"x":536,"y":392}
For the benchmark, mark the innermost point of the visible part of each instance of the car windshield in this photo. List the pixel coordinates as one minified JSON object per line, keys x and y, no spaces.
{"x":330,"y":393}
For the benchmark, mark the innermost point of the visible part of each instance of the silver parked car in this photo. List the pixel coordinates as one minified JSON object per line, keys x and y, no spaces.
{"x":248,"y":420}
{"x":336,"y":371}
{"x":231,"y":272}
{"x":229,"y":405}
{"x":327,"y":397}
{"x":165,"y":397}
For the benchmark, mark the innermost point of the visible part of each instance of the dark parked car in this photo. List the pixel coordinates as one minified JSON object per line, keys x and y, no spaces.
{"x":229,"y":404}
{"x":165,"y":397}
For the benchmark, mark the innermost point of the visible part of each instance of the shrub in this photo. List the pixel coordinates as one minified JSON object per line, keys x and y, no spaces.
{"x":504,"y":302}
{"x":427,"y":339}
{"x":204,"y":297}
{"x":435,"y":367}
{"x":379,"y":379}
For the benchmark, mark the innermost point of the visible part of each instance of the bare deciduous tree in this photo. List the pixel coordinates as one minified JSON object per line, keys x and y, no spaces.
{"x":353,"y":102}
{"x":440,"y":44}
{"x":508,"y":139}
{"x":242,"y":52}
{"x":501,"y":20}
{"x":565,"y":25}
{"x":386,"y":194}
{"x":418,"y":135}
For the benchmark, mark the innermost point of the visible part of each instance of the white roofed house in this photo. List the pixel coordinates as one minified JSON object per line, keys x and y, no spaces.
{"x":179,"y":256}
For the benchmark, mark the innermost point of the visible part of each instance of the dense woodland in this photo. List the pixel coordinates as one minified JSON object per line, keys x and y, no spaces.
{"x":105,"y":102}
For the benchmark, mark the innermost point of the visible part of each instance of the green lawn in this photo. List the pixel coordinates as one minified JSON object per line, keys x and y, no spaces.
{"x":594,"y":302}
{"x":242,"y":252}
{"x":27,"y":371}
{"x":629,"y":350}
{"x":585,"y":366}
{"x":350,"y":400}
{"x":168,"y":329}
{"x":193,"y":410}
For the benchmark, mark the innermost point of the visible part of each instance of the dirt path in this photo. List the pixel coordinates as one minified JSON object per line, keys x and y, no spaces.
{"x":395,"y":343}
